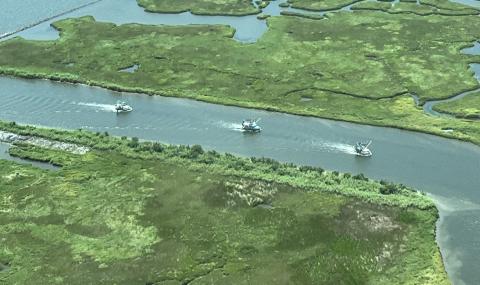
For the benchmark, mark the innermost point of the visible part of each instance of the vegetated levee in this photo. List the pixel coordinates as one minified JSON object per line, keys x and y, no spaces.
{"x":314,"y":5}
{"x":357,"y":66}
{"x":131,"y":212}
{"x":424,"y":8}
{"x":421,"y":7}
{"x":201,"y":7}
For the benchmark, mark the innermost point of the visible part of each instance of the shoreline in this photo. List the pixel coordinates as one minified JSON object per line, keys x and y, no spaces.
{"x":196,"y":164}
{"x":211,"y":100}
{"x":83,"y":139}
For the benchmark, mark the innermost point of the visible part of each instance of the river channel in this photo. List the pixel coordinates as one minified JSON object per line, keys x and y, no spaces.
{"x":447,"y":169}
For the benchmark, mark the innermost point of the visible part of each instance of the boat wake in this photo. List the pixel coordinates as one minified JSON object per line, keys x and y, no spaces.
{"x":99,"y":107}
{"x":230,"y":126}
{"x":336,"y":147}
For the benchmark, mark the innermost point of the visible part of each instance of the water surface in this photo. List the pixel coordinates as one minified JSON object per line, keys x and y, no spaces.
{"x":445,"y":168}
{"x":16,"y":14}
{"x":248,"y":28}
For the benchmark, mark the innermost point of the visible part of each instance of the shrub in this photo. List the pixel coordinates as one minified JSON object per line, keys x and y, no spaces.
{"x":157,"y":147}
{"x":389,"y":188}
{"x":133,"y":143}
{"x":237,"y":164}
{"x":306,"y":168}
{"x":195,"y":151}
{"x":360,"y":176}
{"x":213,"y":153}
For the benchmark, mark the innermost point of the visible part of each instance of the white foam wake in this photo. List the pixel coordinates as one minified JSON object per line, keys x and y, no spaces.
{"x":230,"y":126}
{"x":335,"y":147}
{"x":99,"y":107}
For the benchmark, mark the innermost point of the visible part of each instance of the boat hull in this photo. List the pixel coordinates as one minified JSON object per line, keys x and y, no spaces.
{"x":252,"y":130}
{"x":364,"y":153}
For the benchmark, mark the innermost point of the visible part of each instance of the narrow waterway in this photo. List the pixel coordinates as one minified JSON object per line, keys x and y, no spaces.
{"x":446,"y":169}
{"x":428,"y":107}
{"x":4,"y":147}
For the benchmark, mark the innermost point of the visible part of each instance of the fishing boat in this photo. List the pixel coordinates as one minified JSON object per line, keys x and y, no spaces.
{"x":361,"y":149}
{"x":251,"y":125}
{"x":123,"y":107}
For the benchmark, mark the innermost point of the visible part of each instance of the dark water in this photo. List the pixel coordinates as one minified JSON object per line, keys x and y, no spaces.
{"x":447,"y":169}
{"x":4,"y":155}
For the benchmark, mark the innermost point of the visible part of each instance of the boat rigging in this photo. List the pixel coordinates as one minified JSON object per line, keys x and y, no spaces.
{"x":361,"y":149}
{"x":122,"y":107}
{"x":250,"y":125}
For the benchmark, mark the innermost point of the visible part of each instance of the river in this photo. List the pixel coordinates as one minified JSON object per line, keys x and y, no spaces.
{"x":447,"y":169}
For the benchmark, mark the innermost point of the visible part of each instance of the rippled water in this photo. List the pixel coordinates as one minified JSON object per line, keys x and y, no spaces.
{"x":447,"y":169}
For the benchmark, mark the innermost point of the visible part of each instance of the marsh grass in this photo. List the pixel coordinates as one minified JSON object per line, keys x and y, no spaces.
{"x":467,"y":107}
{"x":124,"y":214}
{"x":358,"y":67}
{"x":314,"y":5}
{"x":426,"y":8}
{"x":201,"y":7}
{"x":195,"y":158}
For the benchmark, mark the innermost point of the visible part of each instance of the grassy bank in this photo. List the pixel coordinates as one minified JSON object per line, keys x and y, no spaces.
{"x":255,"y":168}
{"x":468,"y":107}
{"x":129,"y":212}
{"x":201,"y":7}
{"x":351,"y":66}
{"x":313,"y":5}
{"x":424,"y":9}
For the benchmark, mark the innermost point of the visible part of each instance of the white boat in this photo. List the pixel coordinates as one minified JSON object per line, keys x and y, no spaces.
{"x":251,"y":125}
{"x":123,"y":107}
{"x":361,"y":149}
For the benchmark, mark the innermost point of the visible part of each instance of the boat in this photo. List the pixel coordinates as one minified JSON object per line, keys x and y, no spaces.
{"x":251,"y":125}
{"x":361,"y":149}
{"x":122,"y":107}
